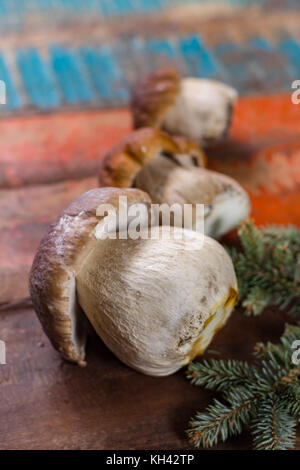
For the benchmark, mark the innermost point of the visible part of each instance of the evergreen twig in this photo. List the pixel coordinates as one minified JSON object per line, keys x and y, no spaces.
{"x":268,"y":267}
{"x":263,"y":397}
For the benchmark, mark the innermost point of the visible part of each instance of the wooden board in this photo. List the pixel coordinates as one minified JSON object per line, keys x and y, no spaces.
{"x":88,"y":53}
{"x":82,"y":58}
{"x":47,"y":403}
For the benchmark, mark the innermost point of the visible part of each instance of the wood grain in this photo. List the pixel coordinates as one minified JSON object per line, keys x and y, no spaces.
{"x":25,"y":215}
{"x":47,"y":403}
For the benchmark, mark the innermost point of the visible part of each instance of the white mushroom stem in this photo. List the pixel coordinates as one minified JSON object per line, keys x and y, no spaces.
{"x":202,"y":110}
{"x":157,"y":303}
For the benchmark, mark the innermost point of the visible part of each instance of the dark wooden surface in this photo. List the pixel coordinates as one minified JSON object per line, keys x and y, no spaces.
{"x":47,"y":403}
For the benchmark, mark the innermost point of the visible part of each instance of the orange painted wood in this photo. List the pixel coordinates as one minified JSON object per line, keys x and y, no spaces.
{"x":263,"y":151}
{"x":263,"y":154}
{"x":55,"y":147}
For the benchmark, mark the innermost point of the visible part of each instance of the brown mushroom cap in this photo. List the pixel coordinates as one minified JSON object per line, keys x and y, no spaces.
{"x":153,"y":95}
{"x":122,"y":163}
{"x":170,"y":170}
{"x":58,"y":259}
{"x":197,"y":108}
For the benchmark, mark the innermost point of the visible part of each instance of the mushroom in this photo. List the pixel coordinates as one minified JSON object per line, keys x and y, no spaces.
{"x":156,"y":302}
{"x":170,"y":170}
{"x":197,"y":108}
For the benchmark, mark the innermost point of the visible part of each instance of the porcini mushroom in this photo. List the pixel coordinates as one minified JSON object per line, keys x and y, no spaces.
{"x":170,"y":170}
{"x":155,"y":302}
{"x":197,"y":108}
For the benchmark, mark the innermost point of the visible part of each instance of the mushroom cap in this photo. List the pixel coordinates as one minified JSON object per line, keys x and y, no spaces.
{"x":170,"y":170}
{"x":153,"y":95}
{"x":157,"y":302}
{"x":226,"y":203}
{"x":199,"y":109}
{"x":57,"y":261}
{"x":122,"y":163}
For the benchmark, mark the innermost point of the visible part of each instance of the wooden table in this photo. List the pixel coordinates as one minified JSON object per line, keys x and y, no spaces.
{"x":47,"y":403}
{"x":48,"y":159}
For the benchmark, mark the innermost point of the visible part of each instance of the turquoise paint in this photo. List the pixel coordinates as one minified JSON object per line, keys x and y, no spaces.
{"x":104,"y":72}
{"x":141,"y":59}
{"x":162,"y":47}
{"x":103,"y":75}
{"x":3,"y":8}
{"x":226,"y":48}
{"x":37,"y":79}
{"x":13,"y":100}
{"x":162,"y":53}
{"x":109,"y":6}
{"x":124,"y":6}
{"x":290,"y":48}
{"x":276,"y":67}
{"x":200,"y":62}
{"x":231,"y":56}
{"x":70,"y":76}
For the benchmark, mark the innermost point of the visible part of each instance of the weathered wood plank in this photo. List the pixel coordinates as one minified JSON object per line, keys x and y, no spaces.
{"x":57,"y":147}
{"x":50,"y":404}
{"x":25,"y":214}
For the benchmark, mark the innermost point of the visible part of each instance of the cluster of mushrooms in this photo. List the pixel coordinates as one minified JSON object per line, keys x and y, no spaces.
{"x":156,"y":303}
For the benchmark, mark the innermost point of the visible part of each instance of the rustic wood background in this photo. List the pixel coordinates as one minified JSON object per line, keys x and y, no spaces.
{"x":60,"y":118}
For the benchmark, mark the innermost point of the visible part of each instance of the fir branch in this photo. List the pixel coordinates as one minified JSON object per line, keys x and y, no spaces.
{"x":268,"y":267}
{"x":273,"y":428}
{"x":263,"y":397}
{"x":221,"y":421}
{"x":219,"y":375}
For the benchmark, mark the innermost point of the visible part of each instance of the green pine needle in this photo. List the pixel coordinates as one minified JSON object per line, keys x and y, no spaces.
{"x":263,"y":397}
{"x":268,"y":267}
{"x":273,"y":428}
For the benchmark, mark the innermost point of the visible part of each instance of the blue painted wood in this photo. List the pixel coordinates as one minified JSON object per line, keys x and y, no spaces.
{"x":37,"y":79}
{"x":106,"y":7}
{"x":261,"y":43}
{"x":274,"y":67}
{"x":232,"y":58}
{"x":13,"y":99}
{"x":124,"y":6}
{"x":162,"y":53}
{"x":255,"y":66}
{"x":290,"y":48}
{"x":200,"y":62}
{"x":104,"y":72}
{"x":103,"y":75}
{"x":140,"y":58}
{"x":122,"y":59}
{"x":3,"y":8}
{"x":68,"y":69}
{"x":148,"y":6}
{"x":162,"y":47}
